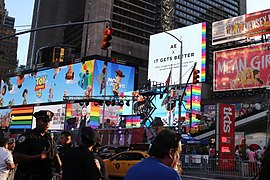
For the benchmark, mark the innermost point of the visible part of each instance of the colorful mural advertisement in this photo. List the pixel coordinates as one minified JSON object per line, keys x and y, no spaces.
{"x":80,"y":79}
{"x":5,"y":117}
{"x":241,"y":27}
{"x":242,"y":68}
{"x":58,"y":119}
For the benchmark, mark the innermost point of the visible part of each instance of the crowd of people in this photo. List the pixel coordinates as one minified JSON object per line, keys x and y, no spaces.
{"x":35,"y":155}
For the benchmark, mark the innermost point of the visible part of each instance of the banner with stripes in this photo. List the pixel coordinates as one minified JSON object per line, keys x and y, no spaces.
{"x":21,"y":118}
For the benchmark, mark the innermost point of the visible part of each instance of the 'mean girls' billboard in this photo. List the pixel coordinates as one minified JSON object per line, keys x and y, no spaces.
{"x":242,"y":68}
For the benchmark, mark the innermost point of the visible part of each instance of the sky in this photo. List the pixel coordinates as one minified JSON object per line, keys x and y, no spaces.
{"x":22,"y":11}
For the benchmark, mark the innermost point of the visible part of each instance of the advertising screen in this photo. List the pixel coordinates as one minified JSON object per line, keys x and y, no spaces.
{"x":241,"y":27}
{"x":78,"y":115}
{"x":5,"y":117}
{"x":80,"y":79}
{"x":58,"y":119}
{"x":242,"y":68}
{"x":165,"y":53}
{"x":21,"y":117}
{"x":226,"y":134}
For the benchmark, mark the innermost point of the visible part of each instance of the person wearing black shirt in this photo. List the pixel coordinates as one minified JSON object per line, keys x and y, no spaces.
{"x":66,"y":144}
{"x":36,"y":152}
{"x":80,"y":163}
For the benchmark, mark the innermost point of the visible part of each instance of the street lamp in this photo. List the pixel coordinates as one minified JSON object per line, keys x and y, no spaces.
{"x":180,"y":77}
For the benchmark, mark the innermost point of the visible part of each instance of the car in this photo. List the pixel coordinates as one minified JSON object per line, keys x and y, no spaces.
{"x":118,"y":165}
{"x":108,"y":151}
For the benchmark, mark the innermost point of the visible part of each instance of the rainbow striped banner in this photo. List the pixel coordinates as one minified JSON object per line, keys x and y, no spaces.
{"x":196,"y":104}
{"x":203,"y":58}
{"x":94,"y":115}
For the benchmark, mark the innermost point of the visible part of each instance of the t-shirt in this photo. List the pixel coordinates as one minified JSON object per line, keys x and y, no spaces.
{"x":5,"y":159}
{"x":151,"y":168}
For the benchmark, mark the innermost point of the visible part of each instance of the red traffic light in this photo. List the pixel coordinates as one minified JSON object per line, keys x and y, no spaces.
{"x":196,"y":76}
{"x":107,"y":36}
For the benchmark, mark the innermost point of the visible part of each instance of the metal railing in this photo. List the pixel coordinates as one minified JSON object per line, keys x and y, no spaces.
{"x":222,"y":168}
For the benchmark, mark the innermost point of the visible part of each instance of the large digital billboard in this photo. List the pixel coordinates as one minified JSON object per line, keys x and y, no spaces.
{"x":165,"y":56}
{"x":241,"y":27}
{"x":242,"y":68}
{"x":80,"y":79}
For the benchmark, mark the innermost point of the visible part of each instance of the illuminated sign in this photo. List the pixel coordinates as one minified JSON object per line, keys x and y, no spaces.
{"x":167,"y":57}
{"x":242,"y":68}
{"x":241,"y":27}
{"x":226,"y":134}
{"x":80,"y":79}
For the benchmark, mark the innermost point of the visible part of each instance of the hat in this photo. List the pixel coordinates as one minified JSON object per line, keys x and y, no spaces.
{"x":43,"y":114}
{"x":119,"y":73}
{"x":90,"y":135}
{"x":11,"y":140}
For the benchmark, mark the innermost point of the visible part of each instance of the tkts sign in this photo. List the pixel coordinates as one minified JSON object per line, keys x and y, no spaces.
{"x":226,"y":135}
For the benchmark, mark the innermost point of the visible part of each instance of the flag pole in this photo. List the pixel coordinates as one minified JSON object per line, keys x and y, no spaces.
{"x":170,"y":113}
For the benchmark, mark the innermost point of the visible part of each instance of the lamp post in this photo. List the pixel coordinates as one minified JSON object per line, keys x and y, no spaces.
{"x":180,"y":77}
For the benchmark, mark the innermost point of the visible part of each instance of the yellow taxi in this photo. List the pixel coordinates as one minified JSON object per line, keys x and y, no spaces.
{"x":119,"y":164}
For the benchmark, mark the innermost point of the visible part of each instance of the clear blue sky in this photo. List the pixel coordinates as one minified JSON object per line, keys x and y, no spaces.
{"x":22,"y":10}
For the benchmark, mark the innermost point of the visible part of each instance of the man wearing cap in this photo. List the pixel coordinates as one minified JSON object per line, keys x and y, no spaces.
{"x":80,"y":163}
{"x":36,"y":152}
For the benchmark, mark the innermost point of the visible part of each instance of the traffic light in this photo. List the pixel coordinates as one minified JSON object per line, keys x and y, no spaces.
{"x":107,"y":37}
{"x":196,"y":76}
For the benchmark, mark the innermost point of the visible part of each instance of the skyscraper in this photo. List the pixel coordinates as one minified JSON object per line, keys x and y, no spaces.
{"x":8,"y":47}
{"x":132,"y":21}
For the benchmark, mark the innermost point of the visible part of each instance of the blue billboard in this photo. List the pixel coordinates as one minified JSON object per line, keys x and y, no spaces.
{"x":80,"y":79}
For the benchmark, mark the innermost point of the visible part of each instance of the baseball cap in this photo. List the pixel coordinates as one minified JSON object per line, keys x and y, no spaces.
{"x":91,"y":135}
{"x":43,"y":114}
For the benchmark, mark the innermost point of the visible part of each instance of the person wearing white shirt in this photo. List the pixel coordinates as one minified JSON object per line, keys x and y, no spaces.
{"x":6,"y":159}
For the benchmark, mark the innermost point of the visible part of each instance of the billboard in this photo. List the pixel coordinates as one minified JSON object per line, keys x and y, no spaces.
{"x":165,"y":56}
{"x":241,"y":27}
{"x":226,"y":135}
{"x":80,"y":79}
{"x":242,"y":68}
{"x":58,"y":119}
{"x":21,"y":117}
{"x":5,"y":117}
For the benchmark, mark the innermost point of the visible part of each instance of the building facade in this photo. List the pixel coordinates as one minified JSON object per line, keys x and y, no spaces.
{"x":132,"y":21}
{"x":8,"y":47}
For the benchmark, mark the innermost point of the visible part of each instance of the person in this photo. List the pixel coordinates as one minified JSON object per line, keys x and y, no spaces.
{"x":164,"y":158}
{"x":66,"y":143}
{"x":80,"y":162}
{"x":170,"y":106}
{"x":6,"y":159}
{"x":101,"y":162}
{"x":265,"y":173}
{"x":252,"y":161}
{"x":11,"y":147}
{"x":35,"y":151}
{"x":11,"y":144}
